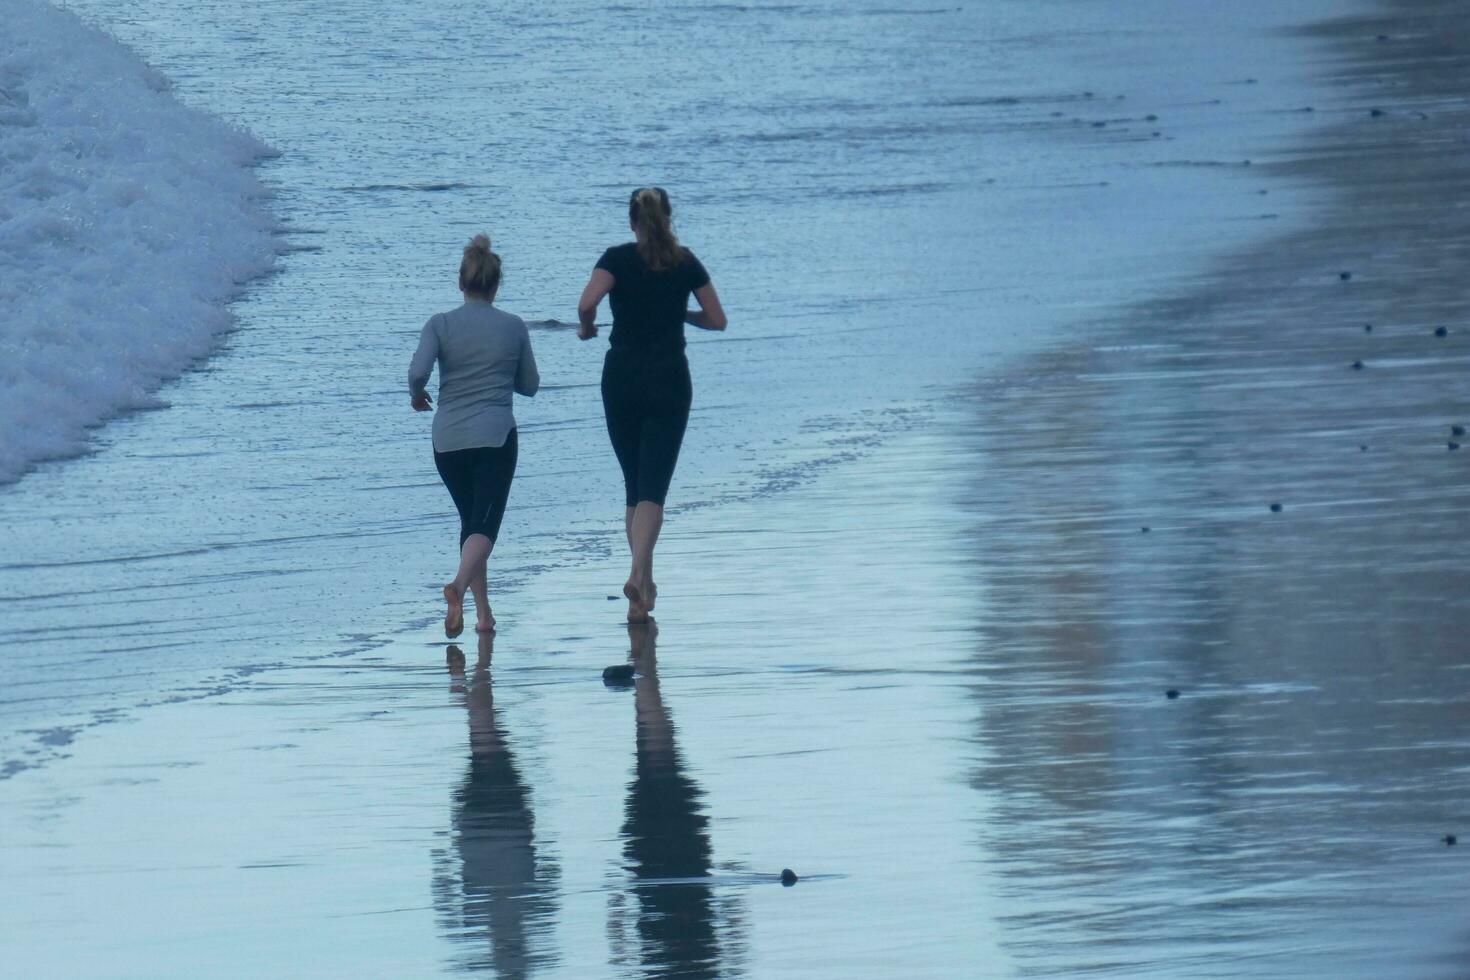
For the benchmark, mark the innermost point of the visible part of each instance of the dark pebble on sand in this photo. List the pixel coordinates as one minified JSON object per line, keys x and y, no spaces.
{"x":1344,"y":276}
{"x":1307,"y":108}
{"x":1450,"y":840}
{"x":1275,"y":508}
{"x":1357,"y":365}
{"x":788,"y":877}
{"x":1367,"y":328}
{"x":1151,"y":118}
{"x":1143,"y":530}
{"x":1457,"y":430}
{"x":612,"y":598}
{"x":1375,"y":112}
{"x":1454,"y":446}
{"x":1441,"y":331}
{"x":1172,"y":693}
{"x":617,"y":674}
{"x":1098,"y":125}
{"x":1362,"y":449}
{"x":1383,"y":37}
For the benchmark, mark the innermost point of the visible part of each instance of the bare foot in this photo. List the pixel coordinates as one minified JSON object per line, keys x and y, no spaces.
{"x":637,"y":611}
{"x":454,"y":614}
{"x":652,"y":592}
{"x":485,"y":625}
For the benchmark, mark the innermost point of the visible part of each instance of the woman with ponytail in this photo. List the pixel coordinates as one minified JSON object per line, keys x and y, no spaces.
{"x":483,"y":353}
{"x":646,"y":388}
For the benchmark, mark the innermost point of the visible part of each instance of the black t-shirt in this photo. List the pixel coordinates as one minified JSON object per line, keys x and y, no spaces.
{"x":648,"y":307}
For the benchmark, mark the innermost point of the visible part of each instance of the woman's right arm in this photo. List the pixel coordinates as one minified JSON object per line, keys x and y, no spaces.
{"x":422,"y":366}
{"x":710,"y":315}
{"x":598,"y":286}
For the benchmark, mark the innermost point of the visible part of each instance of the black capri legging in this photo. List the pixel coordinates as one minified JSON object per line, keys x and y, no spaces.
{"x":479,"y":481}
{"x":646,"y":400}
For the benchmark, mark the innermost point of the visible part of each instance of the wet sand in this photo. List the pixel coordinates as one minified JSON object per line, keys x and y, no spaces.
{"x":1284,"y":816}
{"x":391,"y":814}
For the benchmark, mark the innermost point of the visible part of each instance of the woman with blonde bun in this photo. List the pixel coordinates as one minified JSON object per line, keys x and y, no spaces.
{"x":484,"y":354}
{"x":646,"y":389}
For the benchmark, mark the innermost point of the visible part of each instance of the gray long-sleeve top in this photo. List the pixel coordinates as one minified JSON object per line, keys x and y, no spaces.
{"x":484,"y":354}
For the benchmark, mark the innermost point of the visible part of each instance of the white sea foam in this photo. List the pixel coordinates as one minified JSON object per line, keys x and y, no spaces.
{"x":127,"y":220}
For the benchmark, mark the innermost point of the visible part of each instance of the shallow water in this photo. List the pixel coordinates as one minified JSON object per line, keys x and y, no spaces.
{"x":890,"y":199}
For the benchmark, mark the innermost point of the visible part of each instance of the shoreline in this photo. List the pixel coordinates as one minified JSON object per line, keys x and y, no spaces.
{"x":227,"y":506}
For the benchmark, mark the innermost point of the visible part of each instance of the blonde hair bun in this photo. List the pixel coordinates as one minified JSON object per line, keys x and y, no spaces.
{"x":479,"y":269}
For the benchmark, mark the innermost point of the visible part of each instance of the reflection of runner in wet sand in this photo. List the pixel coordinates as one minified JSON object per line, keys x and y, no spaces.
{"x":646,"y":389}
{"x":484,"y":354}
{"x":497,"y":888}
{"x":666,"y":836}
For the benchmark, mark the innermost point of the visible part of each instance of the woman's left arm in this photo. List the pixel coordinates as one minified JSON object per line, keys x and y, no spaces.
{"x":710,"y":315}
{"x":598,"y":286}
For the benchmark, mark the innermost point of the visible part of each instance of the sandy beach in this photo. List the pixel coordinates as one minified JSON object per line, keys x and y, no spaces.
{"x":917,"y":647}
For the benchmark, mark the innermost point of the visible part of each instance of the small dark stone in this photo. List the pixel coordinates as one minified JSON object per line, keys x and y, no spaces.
{"x":1362,"y":449}
{"x":1450,"y":840}
{"x":1454,"y":446}
{"x":1308,"y":109}
{"x":1087,"y":95}
{"x":612,"y":598}
{"x":1151,"y":118}
{"x":617,"y":674}
{"x":1098,"y":125}
{"x":1367,"y":328}
{"x":1250,"y":81}
{"x":1246,"y":162}
{"x":1383,"y":37}
{"x":1357,"y":365}
{"x":1143,"y":530}
{"x":1275,"y":508}
{"x":1457,"y":430}
{"x":1441,"y":331}
{"x":1172,"y":693}
{"x":1157,"y":134}
{"x":1375,"y":112}
{"x":788,"y":877}
{"x":1344,"y":276}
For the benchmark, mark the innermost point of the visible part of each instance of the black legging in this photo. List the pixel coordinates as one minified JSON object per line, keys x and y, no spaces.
{"x":479,"y":481}
{"x":646,"y":400}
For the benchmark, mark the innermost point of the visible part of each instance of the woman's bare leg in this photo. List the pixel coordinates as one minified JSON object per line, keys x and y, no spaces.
{"x":648,"y":520}
{"x":479,"y":588}
{"x":472,"y":556}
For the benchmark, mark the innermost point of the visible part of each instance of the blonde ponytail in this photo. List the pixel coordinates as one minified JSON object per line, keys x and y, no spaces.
{"x":479,"y":270}
{"x":651,"y":215}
